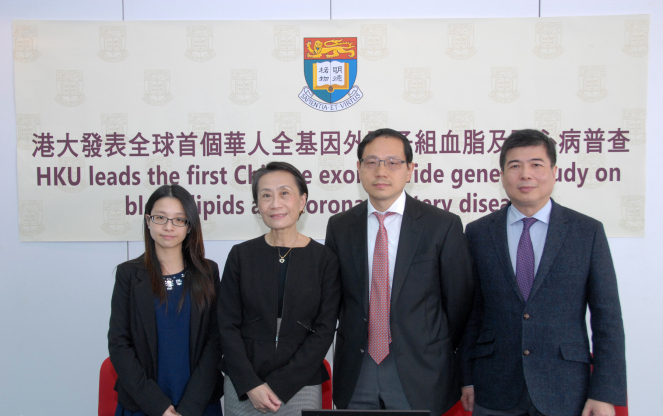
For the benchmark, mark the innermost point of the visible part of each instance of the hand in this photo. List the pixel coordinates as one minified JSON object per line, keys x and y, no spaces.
{"x":171,"y":411}
{"x":467,"y":399}
{"x":264,"y":399}
{"x":597,"y":408}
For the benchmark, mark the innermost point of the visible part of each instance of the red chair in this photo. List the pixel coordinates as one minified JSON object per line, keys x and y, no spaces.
{"x":327,"y":389}
{"x":107,"y":393}
{"x":457,"y":410}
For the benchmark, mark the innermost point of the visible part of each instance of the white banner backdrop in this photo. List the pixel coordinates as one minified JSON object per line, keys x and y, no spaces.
{"x":109,"y":111}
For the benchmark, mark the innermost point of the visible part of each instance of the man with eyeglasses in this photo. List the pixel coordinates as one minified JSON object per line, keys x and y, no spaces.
{"x":407,"y":289}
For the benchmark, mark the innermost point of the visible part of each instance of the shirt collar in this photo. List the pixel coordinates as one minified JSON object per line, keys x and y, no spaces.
{"x":543,"y":215}
{"x":397,"y":207}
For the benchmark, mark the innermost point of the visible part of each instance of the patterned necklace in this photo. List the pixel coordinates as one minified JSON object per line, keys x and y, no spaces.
{"x":282,"y":257}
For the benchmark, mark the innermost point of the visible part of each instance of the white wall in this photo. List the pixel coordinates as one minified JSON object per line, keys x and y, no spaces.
{"x":55,"y":297}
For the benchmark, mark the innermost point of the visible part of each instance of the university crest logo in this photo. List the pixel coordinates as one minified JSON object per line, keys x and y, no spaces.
{"x":30,"y":217}
{"x":548,"y":40}
{"x":70,"y":88}
{"x":25,"y":43}
{"x":330,"y":69}
{"x":199,"y":43}
{"x":636,"y":34}
{"x":633,"y":212}
{"x":112,"y":40}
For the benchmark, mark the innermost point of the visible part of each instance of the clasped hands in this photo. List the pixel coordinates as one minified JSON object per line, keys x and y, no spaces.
{"x":264,"y":399}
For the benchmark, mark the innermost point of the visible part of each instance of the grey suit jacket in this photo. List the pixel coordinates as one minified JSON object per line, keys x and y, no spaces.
{"x":543,"y":343}
{"x":430,"y":303}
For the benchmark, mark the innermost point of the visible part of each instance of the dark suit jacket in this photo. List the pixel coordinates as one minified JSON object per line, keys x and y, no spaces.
{"x":132,"y":345}
{"x":575,"y":271}
{"x":248,"y":310}
{"x":431,"y":299}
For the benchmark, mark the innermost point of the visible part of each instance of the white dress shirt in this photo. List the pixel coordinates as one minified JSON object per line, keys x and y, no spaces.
{"x":537,"y":232}
{"x":393,"y":227}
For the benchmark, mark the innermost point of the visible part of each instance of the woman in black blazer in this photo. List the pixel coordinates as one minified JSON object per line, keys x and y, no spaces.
{"x":163,"y":337}
{"x":278,"y":305}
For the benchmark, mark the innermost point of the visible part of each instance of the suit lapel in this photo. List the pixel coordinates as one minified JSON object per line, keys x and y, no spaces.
{"x":145,"y":307}
{"x":411,"y":231}
{"x":557,"y":229}
{"x":359,"y":251}
{"x":501,"y":242}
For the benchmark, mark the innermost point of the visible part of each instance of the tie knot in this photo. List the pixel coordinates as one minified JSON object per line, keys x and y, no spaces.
{"x":381,"y":217}
{"x":527,"y":223}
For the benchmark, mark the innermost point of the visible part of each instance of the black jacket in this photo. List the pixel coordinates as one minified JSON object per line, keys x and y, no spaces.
{"x":431,"y":300}
{"x":132,"y":345}
{"x":248,"y":309}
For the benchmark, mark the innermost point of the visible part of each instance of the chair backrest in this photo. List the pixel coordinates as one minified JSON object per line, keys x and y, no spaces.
{"x":107,"y":393}
{"x":327,"y":389}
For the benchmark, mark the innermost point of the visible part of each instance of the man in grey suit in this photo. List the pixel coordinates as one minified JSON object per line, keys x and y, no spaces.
{"x":538,"y":266}
{"x":407,"y":293}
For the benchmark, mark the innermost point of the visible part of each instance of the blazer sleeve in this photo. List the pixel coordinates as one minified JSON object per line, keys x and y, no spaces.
{"x":206,"y":372}
{"x":229,"y":306}
{"x":456,"y":280}
{"x":471,"y":335}
{"x":608,"y":380}
{"x":131,"y":374}
{"x":289,"y":379}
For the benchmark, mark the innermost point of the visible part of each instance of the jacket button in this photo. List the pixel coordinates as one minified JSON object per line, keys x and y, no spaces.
{"x":526,"y":352}
{"x":526,"y":316}
{"x":360,"y":350}
{"x":365,"y":320}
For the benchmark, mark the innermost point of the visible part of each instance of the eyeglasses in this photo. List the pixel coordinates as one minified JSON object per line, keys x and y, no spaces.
{"x":373,"y":163}
{"x":162,"y":220}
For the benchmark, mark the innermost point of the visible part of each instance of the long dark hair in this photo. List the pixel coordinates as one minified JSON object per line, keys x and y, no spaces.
{"x":199,"y":274}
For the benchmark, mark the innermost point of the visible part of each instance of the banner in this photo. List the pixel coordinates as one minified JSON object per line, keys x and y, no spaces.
{"x":109,"y":111}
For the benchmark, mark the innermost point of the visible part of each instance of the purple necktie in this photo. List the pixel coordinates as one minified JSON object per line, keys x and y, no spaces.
{"x":525,"y":260}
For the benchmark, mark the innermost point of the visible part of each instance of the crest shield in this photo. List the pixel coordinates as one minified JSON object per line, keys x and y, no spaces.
{"x":244,"y":84}
{"x":549,"y":120}
{"x":115,"y":219}
{"x":505,"y":84}
{"x":288,"y":123}
{"x":592,"y":83}
{"x":636,"y":36}
{"x":114,"y":123}
{"x":459,"y":121}
{"x":461,"y":41}
{"x":26,"y":126}
{"x":157,"y":87}
{"x":548,"y":37}
{"x":373,"y":42}
{"x":199,"y":123}
{"x":417,"y":85}
{"x":70,"y":88}
{"x":373,"y":120}
{"x":286,"y":40}
{"x":25,"y":43}
{"x":30,"y":216}
{"x":112,"y":40}
{"x":330,"y":67}
{"x":633,"y":213}
{"x":635,"y":121}
{"x":199,"y":42}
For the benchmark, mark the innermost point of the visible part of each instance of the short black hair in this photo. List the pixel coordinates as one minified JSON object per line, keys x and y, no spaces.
{"x":385,"y":133}
{"x":276,"y":166}
{"x":528,"y":138}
